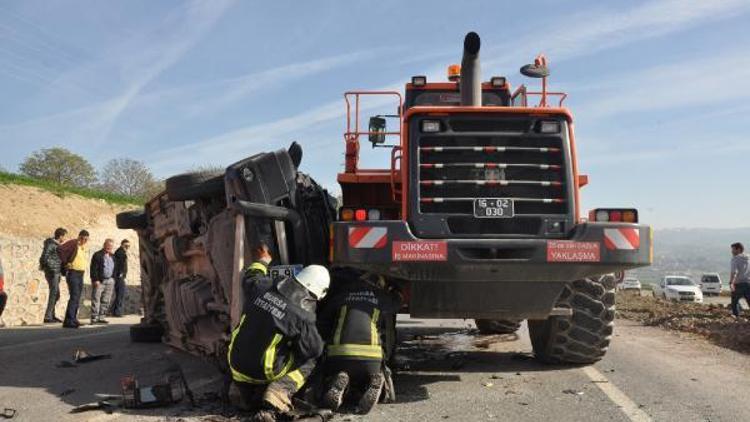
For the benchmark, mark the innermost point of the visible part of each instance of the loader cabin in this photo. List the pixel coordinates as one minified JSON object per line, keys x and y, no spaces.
{"x":375,"y":194}
{"x":419,"y":92}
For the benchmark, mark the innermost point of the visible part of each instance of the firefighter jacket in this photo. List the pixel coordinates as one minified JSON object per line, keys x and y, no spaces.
{"x":353,"y":316}
{"x":276,"y":334}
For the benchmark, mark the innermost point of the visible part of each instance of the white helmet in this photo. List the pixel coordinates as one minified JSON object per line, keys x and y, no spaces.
{"x":315,"y":279}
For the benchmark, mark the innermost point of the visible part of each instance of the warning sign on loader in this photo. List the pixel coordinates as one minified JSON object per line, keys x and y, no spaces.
{"x":420,"y":251}
{"x":570,"y":251}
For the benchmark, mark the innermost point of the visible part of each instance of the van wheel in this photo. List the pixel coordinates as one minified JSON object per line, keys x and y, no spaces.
{"x":584,"y":337}
{"x":146,"y":333}
{"x":199,"y":185}
{"x":131,"y":220}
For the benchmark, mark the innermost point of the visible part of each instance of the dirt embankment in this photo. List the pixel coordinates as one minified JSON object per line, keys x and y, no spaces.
{"x":28,"y":215}
{"x":714,"y":322}
{"x":32,"y":212}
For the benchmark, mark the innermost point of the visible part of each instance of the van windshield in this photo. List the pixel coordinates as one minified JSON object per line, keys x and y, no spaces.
{"x":710,"y":279}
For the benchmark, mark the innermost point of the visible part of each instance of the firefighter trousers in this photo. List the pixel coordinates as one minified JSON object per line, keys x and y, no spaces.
{"x":276,"y":394}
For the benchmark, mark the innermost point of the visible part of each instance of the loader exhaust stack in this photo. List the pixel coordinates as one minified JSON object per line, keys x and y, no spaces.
{"x":470,"y":84}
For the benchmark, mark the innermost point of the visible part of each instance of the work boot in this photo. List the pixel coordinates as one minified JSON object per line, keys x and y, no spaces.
{"x":277,"y":398}
{"x":334,"y":397}
{"x":371,"y":395}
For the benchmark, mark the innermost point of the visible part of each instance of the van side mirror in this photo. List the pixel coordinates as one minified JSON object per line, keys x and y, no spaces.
{"x":377,"y":130}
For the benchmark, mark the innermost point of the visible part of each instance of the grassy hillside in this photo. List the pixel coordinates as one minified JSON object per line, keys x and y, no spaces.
{"x":17,"y":179}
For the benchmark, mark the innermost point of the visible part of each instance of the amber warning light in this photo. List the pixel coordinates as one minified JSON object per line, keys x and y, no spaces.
{"x":454,"y":72}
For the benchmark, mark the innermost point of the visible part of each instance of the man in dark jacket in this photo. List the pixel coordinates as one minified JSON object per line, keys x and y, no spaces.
{"x":102,"y":273}
{"x":50,"y":263}
{"x":351,"y":321}
{"x":121,"y":272}
{"x":275,"y":345}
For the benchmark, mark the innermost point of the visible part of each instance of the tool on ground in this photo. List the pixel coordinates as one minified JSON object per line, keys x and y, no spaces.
{"x":82,"y":356}
{"x":172,"y":391}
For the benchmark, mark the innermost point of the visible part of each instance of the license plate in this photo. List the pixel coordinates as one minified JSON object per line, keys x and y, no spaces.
{"x":493,"y":208}
{"x":284,"y":271}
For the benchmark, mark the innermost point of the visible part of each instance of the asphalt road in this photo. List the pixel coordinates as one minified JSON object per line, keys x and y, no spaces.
{"x":447,"y":373}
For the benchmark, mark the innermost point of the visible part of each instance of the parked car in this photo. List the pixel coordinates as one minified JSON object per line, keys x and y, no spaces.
{"x":630,"y":283}
{"x":678,"y":288}
{"x":711,"y":284}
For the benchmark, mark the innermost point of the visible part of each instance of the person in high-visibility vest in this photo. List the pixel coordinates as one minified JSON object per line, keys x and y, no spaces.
{"x":275,"y":346}
{"x":351,"y":321}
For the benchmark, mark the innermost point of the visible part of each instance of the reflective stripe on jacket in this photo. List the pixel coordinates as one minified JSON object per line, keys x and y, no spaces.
{"x":352,"y":316}
{"x":274,"y":337}
{"x":360,"y":327}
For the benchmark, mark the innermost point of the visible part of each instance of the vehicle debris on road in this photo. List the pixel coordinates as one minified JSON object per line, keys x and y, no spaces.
{"x":82,"y":356}
{"x":713,"y":322}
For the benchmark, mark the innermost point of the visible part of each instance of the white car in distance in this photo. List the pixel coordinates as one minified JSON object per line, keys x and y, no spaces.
{"x":678,"y":288}
{"x":629,"y":283}
{"x":711,"y":284}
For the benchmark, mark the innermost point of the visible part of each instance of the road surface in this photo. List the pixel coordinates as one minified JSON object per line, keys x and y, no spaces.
{"x":448,"y":374}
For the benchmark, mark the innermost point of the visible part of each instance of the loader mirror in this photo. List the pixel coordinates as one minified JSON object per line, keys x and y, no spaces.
{"x":377,"y":130}
{"x":535,"y":71}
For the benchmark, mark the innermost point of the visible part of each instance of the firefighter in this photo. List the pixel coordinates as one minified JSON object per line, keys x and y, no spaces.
{"x":275,"y":346}
{"x":351,"y":321}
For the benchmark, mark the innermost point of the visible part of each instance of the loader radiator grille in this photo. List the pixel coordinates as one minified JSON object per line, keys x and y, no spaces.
{"x":484,"y":158}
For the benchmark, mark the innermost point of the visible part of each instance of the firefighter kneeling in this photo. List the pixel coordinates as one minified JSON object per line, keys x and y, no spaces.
{"x":351,"y":321}
{"x":275,"y":346}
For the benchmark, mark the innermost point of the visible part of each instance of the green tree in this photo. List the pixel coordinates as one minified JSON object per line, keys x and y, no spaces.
{"x":60,"y":166}
{"x":128,"y":177}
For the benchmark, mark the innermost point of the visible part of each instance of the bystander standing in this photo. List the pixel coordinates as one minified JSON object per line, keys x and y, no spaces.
{"x":74,"y":256}
{"x":102,"y":274}
{"x":121,"y":272}
{"x":50,"y":263}
{"x":739,"y":277}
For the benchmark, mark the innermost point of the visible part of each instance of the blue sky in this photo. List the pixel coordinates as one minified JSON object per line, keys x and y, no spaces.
{"x":659,"y":89}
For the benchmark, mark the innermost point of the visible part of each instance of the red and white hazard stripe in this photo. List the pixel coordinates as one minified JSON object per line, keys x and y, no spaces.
{"x":368,"y":237}
{"x":622,"y":239}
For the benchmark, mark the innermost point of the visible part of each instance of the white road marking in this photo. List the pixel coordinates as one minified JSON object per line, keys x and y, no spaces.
{"x":628,"y":406}
{"x":64,"y":338}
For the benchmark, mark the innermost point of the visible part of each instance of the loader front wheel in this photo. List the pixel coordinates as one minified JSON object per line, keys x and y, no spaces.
{"x":584,"y":337}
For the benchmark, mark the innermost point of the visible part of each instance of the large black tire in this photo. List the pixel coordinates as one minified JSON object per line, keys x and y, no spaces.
{"x":131,"y":220}
{"x":146,"y":333}
{"x":200,"y":185}
{"x":584,"y":337}
{"x":318,"y":212}
{"x":497,"y":326}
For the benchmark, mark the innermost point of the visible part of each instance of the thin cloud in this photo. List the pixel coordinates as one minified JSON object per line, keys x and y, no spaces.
{"x":199,"y":18}
{"x":710,"y":79}
{"x":582,"y":34}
